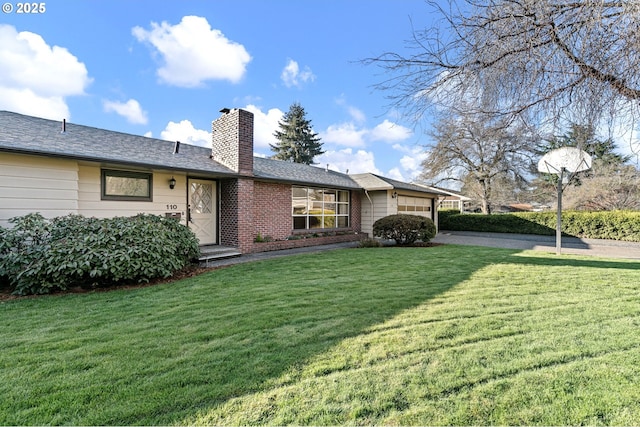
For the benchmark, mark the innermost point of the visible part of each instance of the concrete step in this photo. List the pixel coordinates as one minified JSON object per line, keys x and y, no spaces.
{"x":214,"y":252}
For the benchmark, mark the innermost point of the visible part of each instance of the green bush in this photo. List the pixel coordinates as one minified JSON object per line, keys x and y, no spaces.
{"x":613,"y":225}
{"x":404,"y":229}
{"x":444,"y":214}
{"x":40,"y":256}
{"x":369,"y":243}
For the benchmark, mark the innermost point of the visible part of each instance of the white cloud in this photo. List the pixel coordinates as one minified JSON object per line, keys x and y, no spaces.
{"x":345,"y":134}
{"x":395,"y":174}
{"x":186,"y":133}
{"x":346,"y":160}
{"x":35,"y":78}
{"x":350,"y":135}
{"x":357,"y":114}
{"x":390,"y":132}
{"x":193,"y":52}
{"x":130,"y":110}
{"x":411,"y":162}
{"x":292,"y":76}
{"x":264,"y":125}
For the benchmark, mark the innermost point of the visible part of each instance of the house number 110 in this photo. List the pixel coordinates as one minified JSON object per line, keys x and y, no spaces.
{"x":170,"y":207}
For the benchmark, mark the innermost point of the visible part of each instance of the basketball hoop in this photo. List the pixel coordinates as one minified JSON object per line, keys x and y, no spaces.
{"x":564,"y":162}
{"x":570,"y":159}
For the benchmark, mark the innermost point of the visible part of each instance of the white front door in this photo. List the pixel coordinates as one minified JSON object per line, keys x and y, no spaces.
{"x":202,"y":210}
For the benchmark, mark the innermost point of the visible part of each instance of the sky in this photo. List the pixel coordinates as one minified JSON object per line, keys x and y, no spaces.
{"x":164,"y":69}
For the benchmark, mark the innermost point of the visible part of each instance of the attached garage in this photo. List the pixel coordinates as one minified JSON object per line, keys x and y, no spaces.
{"x":385,"y":196}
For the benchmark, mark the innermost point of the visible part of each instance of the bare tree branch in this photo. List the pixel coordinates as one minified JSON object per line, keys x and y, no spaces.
{"x":546,"y":60}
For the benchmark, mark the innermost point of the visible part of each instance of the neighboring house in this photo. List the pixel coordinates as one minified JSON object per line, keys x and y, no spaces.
{"x":225,"y":195}
{"x":526,"y":207}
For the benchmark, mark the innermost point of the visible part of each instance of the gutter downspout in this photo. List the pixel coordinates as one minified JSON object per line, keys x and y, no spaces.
{"x":366,"y":193}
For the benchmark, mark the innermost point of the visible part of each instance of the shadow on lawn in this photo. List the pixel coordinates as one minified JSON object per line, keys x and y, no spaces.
{"x":326,"y":307}
{"x":335,"y":310}
{"x":255,"y":325}
{"x":586,"y":261}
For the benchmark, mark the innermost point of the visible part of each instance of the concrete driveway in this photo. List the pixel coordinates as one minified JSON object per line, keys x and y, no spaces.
{"x":570,"y":245}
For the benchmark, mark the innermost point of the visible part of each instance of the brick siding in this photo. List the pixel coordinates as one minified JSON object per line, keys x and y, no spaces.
{"x":303,"y":243}
{"x":249,"y":208}
{"x":272,"y":210}
{"x":273,"y":220}
{"x":236,"y":213}
{"x":232,"y":140}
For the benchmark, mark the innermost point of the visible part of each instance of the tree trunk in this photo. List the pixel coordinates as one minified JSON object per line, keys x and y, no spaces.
{"x":486,"y":196}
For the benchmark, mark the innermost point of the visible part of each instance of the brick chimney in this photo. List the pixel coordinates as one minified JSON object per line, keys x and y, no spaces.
{"x":232,"y":135}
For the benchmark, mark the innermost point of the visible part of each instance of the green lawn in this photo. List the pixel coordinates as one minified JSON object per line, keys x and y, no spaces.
{"x":444,"y":335}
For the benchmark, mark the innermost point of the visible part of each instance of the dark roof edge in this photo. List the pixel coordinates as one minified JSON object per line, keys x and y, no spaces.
{"x":153,"y":166}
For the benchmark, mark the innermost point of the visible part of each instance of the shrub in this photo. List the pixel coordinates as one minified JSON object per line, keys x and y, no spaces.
{"x":499,"y":223}
{"x":369,"y":243}
{"x":39,"y":256}
{"x":404,"y":229}
{"x":614,"y":225}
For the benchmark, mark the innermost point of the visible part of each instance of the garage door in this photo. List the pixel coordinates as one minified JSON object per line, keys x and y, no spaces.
{"x":414,"y":206}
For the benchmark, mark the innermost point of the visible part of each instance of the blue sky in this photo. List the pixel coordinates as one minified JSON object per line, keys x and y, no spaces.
{"x":166,"y":68}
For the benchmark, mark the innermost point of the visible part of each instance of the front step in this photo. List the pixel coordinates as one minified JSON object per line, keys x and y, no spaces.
{"x":215,"y":252}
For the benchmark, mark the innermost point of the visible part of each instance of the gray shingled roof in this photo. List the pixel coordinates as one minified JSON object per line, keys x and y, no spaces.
{"x":279,"y":170}
{"x":33,"y":135}
{"x":373,"y":182}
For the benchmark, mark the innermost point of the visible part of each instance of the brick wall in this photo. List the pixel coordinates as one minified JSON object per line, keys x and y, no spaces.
{"x":272,"y":210}
{"x":250,"y":208}
{"x":356,"y":210}
{"x":303,"y":243}
{"x":272,"y":218}
{"x":236,"y":213}
{"x":229,"y":212}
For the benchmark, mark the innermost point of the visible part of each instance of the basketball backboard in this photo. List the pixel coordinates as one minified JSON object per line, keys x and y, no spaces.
{"x":569,"y":159}
{"x":561,"y":161}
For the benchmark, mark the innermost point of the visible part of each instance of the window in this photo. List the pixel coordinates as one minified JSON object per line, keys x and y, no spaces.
{"x":126,"y":185}
{"x":450,"y":204}
{"x":414,"y":205}
{"x":319,"y":208}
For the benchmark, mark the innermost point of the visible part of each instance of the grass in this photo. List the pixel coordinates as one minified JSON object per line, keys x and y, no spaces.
{"x":444,"y":335}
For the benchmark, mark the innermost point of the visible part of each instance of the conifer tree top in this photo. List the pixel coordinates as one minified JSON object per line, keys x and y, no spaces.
{"x":296,"y":140}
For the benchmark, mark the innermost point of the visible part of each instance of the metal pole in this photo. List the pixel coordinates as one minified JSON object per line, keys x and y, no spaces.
{"x":559,"y":215}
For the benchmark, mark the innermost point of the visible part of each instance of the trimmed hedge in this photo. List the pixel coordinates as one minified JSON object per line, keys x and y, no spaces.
{"x":39,"y":255}
{"x":613,"y":225}
{"x":404,"y":229}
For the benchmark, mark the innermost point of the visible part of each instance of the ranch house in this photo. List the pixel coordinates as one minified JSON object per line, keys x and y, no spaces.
{"x":225,"y":194}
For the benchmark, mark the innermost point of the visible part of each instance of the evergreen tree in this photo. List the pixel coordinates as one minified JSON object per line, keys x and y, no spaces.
{"x":296,"y":140}
{"x":584,"y":137}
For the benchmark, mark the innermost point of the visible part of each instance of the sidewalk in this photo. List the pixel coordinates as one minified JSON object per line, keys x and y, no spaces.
{"x":570,"y":245}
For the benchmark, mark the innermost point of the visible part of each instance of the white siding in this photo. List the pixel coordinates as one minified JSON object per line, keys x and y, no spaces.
{"x":164,"y":199}
{"x":370,"y":214}
{"x":37,"y":184}
{"x":384,"y":204}
{"x":57,"y":187}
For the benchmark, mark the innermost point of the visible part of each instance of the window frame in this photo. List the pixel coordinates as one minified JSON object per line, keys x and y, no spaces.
{"x":105,"y":173}
{"x":330,"y":199}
